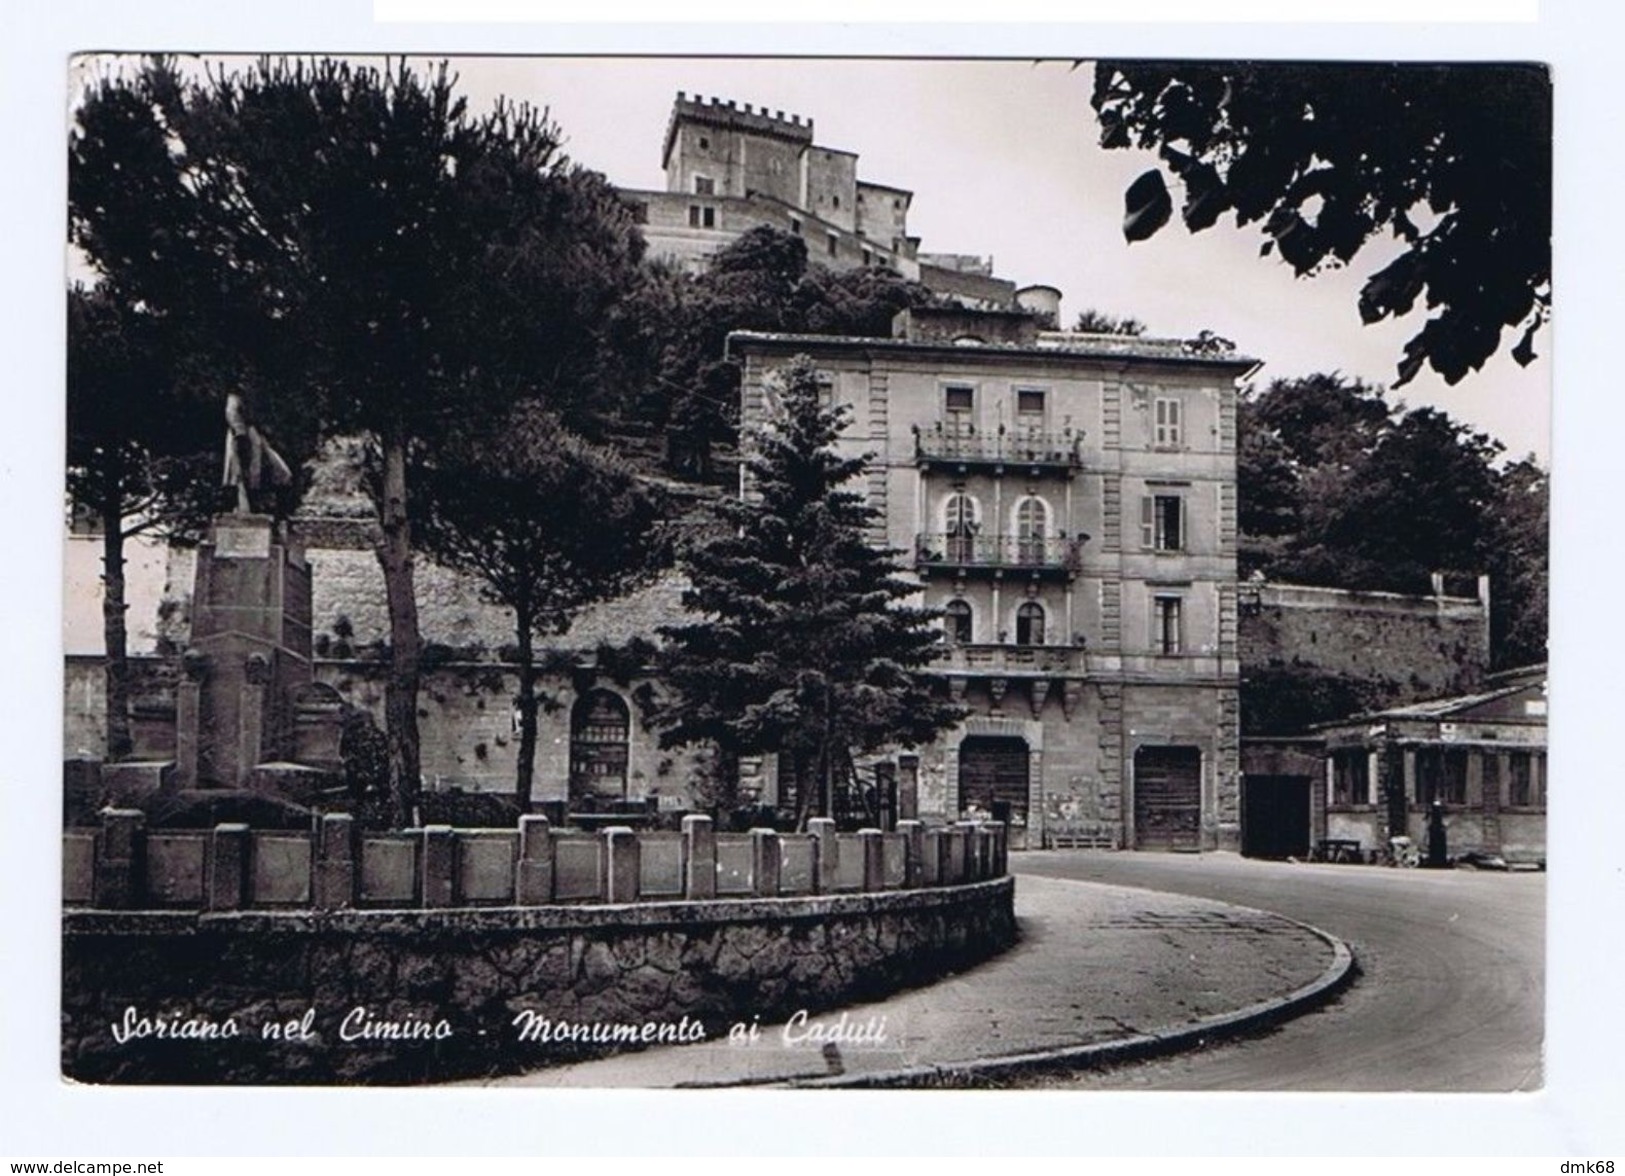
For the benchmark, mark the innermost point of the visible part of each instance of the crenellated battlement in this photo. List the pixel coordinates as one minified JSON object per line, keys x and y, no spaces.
{"x":731,"y":115}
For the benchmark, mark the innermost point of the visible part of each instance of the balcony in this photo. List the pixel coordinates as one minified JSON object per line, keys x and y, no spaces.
{"x":999,"y":554}
{"x":1013,"y":661}
{"x":962,"y":448}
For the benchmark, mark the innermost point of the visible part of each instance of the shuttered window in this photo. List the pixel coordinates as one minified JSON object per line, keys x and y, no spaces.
{"x":1169,"y":430}
{"x":1162,"y":522}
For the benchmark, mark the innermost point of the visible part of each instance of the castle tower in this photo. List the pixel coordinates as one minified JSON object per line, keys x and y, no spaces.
{"x":721,"y":148}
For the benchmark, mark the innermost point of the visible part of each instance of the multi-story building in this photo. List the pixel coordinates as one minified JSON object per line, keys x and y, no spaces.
{"x":1069,"y":503}
{"x":731,"y":168}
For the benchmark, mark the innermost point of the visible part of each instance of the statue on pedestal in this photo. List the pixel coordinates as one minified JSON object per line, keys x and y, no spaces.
{"x":252,"y":467}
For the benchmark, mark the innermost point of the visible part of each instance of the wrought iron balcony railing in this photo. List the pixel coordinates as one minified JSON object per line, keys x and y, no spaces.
{"x":1000,"y":446}
{"x":1071,"y":660}
{"x":997,"y":552}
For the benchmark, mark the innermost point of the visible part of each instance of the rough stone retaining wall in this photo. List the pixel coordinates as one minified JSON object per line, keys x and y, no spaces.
{"x":300,"y":996}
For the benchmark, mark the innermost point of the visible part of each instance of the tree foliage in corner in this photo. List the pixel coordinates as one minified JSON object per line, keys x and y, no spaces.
{"x":804,"y":644}
{"x":1454,"y":161}
{"x":547,"y":522}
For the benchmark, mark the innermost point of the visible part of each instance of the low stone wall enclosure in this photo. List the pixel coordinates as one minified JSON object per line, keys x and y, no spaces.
{"x":236,"y":955}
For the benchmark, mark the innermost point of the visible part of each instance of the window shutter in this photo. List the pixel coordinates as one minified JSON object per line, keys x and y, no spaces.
{"x":1148,"y":521}
{"x":1180,"y":542}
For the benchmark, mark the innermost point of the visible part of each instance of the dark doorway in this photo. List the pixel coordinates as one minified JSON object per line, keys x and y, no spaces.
{"x":1168,"y":798}
{"x":1275,"y":816}
{"x":993,"y":769}
{"x":599,"y":728}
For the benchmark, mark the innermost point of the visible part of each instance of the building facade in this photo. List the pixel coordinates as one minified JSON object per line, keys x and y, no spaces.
{"x":1481,"y":756}
{"x":1069,"y":503}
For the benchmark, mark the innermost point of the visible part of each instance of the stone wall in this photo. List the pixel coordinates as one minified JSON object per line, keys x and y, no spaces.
{"x":465,"y":723}
{"x":1317,"y":654}
{"x":465,"y":993}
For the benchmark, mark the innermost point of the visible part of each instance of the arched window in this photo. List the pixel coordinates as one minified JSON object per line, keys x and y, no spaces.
{"x":1032,"y":527}
{"x":1030,"y":624}
{"x":956,"y":619}
{"x":600,"y":726}
{"x":959,"y":517}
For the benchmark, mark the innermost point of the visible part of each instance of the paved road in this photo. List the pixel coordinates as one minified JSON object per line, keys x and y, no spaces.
{"x":1451,"y":995}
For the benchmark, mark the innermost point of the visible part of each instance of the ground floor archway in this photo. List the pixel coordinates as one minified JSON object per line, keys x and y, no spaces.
{"x":993,"y":776}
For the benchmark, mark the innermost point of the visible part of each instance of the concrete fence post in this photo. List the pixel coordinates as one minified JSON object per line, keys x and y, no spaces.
{"x":228,"y":867}
{"x":120,"y":854}
{"x":620,"y":864}
{"x":872,"y":844}
{"x":936,"y":856}
{"x":828,"y":855}
{"x":534,"y":884}
{"x":954,"y":865}
{"x":336,"y":863}
{"x":699,"y":858}
{"x":438,"y":876}
{"x":913,"y":853}
{"x":766,"y":856}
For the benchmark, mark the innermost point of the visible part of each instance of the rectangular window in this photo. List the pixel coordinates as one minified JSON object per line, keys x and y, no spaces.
{"x":1169,"y":425}
{"x":1441,"y":774}
{"x":693,"y":216}
{"x":795,"y":225}
{"x":1351,"y":779}
{"x":832,"y":243}
{"x":1030,"y":406}
{"x":708,"y":217}
{"x":704,"y":186}
{"x":1166,"y":618}
{"x":1162,"y":522}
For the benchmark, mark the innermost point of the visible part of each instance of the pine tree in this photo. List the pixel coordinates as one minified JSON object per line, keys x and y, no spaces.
{"x":547,"y":522}
{"x":806,"y":644}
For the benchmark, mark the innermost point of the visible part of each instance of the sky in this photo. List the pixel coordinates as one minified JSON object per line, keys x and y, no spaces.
{"x":1003,"y":161}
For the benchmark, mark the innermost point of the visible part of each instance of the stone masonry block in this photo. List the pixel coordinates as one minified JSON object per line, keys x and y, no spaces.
{"x":437,"y":865}
{"x":619,"y":862}
{"x":699,"y":857}
{"x":534,"y":884}
{"x":228,"y":867}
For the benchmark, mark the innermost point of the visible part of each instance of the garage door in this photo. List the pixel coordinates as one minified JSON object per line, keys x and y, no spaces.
{"x":993,"y":768}
{"x":1168,"y":798}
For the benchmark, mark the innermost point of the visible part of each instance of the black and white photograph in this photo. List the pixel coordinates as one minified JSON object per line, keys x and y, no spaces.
{"x":888,"y":579}
{"x":968,"y":573}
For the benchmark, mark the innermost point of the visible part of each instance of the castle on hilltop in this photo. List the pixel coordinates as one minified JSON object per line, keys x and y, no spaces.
{"x":731,"y":168}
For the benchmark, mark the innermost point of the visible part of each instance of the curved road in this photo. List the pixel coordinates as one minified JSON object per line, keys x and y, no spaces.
{"x":1451,"y":992}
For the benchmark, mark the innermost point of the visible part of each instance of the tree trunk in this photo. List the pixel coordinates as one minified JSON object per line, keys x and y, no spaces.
{"x":401,"y":688}
{"x":115,"y":636}
{"x":527,"y":712}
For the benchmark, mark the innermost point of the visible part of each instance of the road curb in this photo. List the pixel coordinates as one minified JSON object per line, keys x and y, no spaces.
{"x":1153,"y":1043}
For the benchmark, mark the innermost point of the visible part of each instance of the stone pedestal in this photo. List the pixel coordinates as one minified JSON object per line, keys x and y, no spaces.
{"x":248,"y":667}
